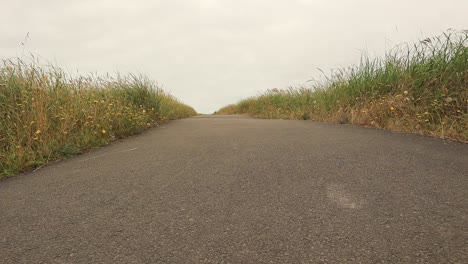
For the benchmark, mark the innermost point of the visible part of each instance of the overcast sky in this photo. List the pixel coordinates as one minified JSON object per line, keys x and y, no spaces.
{"x":210,"y":53}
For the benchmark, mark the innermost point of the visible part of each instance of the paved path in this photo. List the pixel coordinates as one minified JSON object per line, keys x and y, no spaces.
{"x":241,"y":190}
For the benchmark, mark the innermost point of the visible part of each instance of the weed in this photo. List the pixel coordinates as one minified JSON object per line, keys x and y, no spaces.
{"x":421,"y":88}
{"x":46,"y":115}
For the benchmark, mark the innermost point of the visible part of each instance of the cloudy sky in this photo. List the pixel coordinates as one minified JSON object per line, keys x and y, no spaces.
{"x":210,"y":53}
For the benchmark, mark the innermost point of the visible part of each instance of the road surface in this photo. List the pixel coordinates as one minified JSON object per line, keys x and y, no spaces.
{"x":220,"y":189}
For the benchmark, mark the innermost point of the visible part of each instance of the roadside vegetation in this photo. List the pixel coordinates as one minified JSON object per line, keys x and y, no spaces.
{"x":46,"y":115}
{"x":420,"y":88}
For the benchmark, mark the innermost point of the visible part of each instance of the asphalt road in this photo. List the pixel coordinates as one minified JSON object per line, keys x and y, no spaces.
{"x":217,"y":189}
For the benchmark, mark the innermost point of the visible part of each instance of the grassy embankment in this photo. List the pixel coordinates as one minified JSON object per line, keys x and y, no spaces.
{"x":46,"y":115}
{"x":421,"y":88}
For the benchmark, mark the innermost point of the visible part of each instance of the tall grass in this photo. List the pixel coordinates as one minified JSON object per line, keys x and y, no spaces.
{"x":46,"y":115}
{"x":420,"y":88}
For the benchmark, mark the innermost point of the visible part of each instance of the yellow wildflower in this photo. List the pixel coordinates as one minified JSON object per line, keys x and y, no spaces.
{"x":103,"y":131}
{"x":38,"y":132}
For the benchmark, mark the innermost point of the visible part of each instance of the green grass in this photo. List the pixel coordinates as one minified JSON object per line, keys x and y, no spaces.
{"x":46,"y":115}
{"x":420,"y":88}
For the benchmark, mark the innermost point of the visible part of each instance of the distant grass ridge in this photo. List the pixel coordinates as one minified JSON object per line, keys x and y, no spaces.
{"x":46,"y":115}
{"x":421,"y":88}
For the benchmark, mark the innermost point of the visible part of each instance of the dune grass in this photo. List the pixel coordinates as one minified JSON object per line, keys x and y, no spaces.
{"x":422,"y":88}
{"x":46,"y":115}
